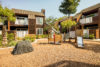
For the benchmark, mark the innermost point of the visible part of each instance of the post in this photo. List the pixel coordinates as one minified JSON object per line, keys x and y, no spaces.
{"x":82,"y":30}
{"x":99,"y":21}
{"x":54,"y":38}
{"x":75,"y":34}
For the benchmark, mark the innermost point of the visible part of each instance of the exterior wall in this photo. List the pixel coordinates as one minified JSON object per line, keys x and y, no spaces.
{"x":32,"y":26}
{"x":41,"y":26}
{"x":95,"y":21}
{"x":99,"y":21}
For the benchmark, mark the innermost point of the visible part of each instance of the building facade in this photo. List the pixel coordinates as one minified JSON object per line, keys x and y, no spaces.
{"x":89,"y":18}
{"x":27,"y":22}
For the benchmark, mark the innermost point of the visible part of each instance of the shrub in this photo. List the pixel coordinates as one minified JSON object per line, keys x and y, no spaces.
{"x":0,"y":40}
{"x":86,"y":36}
{"x":29,"y":38}
{"x":0,"y":37}
{"x":41,"y":36}
{"x":19,"y":38}
{"x":91,"y":36}
{"x":0,"y":43}
{"x":12,"y":43}
{"x":10,"y":37}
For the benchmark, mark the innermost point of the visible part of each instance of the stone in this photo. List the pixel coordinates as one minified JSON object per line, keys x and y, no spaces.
{"x":22,"y":47}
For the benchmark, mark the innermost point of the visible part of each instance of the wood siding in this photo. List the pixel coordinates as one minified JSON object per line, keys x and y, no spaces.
{"x":95,"y":19}
{"x":32,"y":26}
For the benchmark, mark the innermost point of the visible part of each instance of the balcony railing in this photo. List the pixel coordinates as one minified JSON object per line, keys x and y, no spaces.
{"x":86,"y":20}
{"x":21,"y":22}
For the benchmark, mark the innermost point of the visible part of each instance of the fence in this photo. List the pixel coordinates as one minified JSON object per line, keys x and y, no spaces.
{"x":88,"y":32}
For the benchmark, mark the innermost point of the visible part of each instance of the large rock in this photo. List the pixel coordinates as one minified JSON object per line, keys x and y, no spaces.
{"x":22,"y":47}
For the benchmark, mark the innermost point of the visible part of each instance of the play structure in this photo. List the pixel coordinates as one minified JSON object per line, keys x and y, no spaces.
{"x":54,"y":38}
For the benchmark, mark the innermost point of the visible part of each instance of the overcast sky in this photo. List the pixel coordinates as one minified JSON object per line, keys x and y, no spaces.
{"x":51,"y":6}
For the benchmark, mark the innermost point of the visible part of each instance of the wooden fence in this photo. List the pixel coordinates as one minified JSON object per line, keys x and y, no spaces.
{"x":56,"y":38}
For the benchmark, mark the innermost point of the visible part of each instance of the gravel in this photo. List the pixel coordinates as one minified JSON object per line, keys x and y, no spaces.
{"x":50,"y":55}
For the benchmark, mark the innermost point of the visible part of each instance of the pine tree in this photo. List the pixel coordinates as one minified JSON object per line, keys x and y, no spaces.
{"x":69,"y":7}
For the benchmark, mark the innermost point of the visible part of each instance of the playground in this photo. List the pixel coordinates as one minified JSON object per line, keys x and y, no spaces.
{"x":53,"y":55}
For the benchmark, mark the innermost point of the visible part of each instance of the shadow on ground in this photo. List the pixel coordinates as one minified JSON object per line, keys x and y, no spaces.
{"x":89,"y":46}
{"x":66,"y":63}
{"x":49,"y":44}
{"x":93,"y":47}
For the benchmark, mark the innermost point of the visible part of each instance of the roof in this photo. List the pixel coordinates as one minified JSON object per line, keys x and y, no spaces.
{"x":91,"y":8}
{"x":88,"y":9}
{"x":31,"y":14}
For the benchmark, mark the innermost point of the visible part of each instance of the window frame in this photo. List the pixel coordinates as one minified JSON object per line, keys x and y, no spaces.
{"x":39,"y":31}
{"x":38,"y":19}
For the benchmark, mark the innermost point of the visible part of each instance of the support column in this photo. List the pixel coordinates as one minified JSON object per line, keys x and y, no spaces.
{"x":99,"y":21}
{"x":75,"y":34}
{"x":82,"y":28}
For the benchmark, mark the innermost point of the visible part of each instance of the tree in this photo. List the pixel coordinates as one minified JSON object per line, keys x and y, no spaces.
{"x":67,"y":24}
{"x":6,"y":15}
{"x":69,"y":7}
{"x":50,"y":21}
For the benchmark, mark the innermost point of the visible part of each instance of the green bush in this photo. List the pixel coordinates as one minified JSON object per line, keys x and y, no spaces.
{"x":0,"y":43}
{"x":10,"y":37}
{"x":0,"y":37}
{"x":29,"y":38}
{"x":0,"y":40}
{"x":12,"y":43}
{"x":91,"y":36}
{"x":41,"y":36}
{"x":86,"y":36}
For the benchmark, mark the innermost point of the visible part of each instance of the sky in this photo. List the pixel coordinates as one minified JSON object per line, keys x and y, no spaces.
{"x":51,"y":6}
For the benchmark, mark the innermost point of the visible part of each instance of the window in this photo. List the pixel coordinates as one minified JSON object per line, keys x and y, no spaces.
{"x":39,"y":20}
{"x":39,"y":31}
{"x":22,"y":20}
{"x":21,"y":32}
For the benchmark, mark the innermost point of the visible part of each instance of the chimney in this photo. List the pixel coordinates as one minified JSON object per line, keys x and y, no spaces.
{"x":43,"y":11}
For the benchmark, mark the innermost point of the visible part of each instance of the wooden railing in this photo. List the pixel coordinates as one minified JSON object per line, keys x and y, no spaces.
{"x":89,"y":20}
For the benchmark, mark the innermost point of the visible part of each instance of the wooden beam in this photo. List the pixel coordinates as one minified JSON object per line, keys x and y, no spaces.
{"x":82,"y":30}
{"x":99,"y":21}
{"x":78,"y":18}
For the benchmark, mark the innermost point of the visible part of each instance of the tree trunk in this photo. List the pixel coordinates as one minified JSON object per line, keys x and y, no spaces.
{"x":68,"y":16}
{"x":69,"y":35}
{"x":75,"y":34}
{"x":4,"y":35}
{"x":64,"y":36}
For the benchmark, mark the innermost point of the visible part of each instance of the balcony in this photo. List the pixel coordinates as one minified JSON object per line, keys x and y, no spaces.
{"x":86,"y":20}
{"x":89,"y":20}
{"x":21,"y":21}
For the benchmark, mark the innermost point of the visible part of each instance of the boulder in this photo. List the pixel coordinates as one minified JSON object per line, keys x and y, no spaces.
{"x":22,"y":47}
